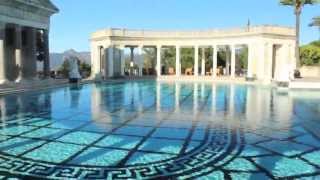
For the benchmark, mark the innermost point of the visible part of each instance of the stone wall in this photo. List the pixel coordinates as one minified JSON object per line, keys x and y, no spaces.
{"x":310,"y":71}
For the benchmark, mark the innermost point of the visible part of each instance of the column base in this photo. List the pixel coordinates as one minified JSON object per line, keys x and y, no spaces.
{"x":4,"y":82}
{"x":250,"y":79}
{"x":26,"y":80}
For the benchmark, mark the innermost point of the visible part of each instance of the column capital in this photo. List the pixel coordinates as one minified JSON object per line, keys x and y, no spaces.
{"x":159,"y":46}
{"x":122,"y":47}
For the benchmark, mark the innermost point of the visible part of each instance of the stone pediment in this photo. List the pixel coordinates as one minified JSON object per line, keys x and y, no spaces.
{"x":45,"y":4}
{"x":34,"y":13}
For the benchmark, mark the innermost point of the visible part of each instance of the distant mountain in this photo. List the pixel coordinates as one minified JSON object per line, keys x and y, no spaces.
{"x":56,"y":59}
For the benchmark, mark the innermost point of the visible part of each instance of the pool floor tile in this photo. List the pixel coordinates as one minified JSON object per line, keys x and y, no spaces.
{"x":285,"y":148}
{"x":241,"y":164}
{"x":99,"y":157}
{"x":162,"y":145}
{"x":15,"y":130}
{"x":45,"y":133}
{"x":171,"y":133}
{"x":144,"y":158}
{"x":119,"y":141}
{"x":54,"y":152}
{"x":99,"y":127}
{"x":17,"y":146}
{"x":133,"y":130}
{"x":67,"y":124}
{"x":281,"y":166}
{"x":80,"y":137}
{"x":313,"y":157}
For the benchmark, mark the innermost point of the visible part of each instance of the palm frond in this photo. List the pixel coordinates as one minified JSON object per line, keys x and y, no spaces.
{"x":302,"y":2}
{"x":315,"y":21}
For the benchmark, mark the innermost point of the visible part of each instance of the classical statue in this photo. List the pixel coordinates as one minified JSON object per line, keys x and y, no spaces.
{"x":74,"y":75}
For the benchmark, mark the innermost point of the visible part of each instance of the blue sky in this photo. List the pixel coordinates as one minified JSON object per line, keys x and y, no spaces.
{"x":77,"y":19}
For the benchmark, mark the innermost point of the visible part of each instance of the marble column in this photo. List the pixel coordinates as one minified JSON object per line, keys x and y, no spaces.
{"x":269,"y":61}
{"x":122,"y":59}
{"x":18,"y":52}
{"x":158,"y":68}
{"x":3,"y":63}
{"x":250,"y":61}
{"x":203,"y":62}
{"x":141,"y":60}
{"x":215,"y":60}
{"x":131,"y":60}
{"x":196,"y":61}
{"x":178,"y":66}
{"x":227,"y":61}
{"x":110,"y":61}
{"x":233,"y":61}
{"x":29,"y":68}
{"x":46,"y":60}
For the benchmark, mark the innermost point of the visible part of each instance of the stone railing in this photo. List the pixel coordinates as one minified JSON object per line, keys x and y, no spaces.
{"x":116,"y":32}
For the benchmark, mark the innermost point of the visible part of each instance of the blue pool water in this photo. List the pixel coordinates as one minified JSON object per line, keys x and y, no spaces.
{"x":150,"y":130}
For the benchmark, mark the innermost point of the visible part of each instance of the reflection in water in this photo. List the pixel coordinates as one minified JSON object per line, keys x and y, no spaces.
{"x":249,"y":104}
{"x":172,"y":118}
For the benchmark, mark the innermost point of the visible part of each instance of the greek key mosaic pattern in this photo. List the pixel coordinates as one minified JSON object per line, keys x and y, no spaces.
{"x":149,"y":130}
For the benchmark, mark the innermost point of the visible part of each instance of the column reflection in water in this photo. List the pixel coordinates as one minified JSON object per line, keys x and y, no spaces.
{"x":283,"y":109}
{"x":158,"y":97}
{"x":177,"y":97}
{"x":203,"y":91}
{"x":213,"y":99}
{"x":3,"y":111}
{"x":232,"y":100}
{"x":96,"y":110}
{"x":267,"y":107}
{"x":195,"y":98}
{"x":100,"y":104}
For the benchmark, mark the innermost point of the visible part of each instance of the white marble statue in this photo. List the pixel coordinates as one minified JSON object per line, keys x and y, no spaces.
{"x":74,"y":73}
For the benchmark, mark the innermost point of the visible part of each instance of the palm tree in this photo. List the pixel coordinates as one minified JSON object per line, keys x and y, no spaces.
{"x":316,"y":22}
{"x":298,"y":5}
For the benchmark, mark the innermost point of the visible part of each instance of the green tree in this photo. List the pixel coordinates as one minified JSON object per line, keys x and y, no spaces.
{"x":298,"y":5}
{"x":310,"y":54}
{"x":316,"y":43}
{"x":150,"y":59}
{"x":64,"y":69}
{"x":243,"y":58}
{"x":84,"y":68}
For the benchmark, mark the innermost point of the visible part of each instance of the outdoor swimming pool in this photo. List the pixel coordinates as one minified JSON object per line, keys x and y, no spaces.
{"x":148,"y":129}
